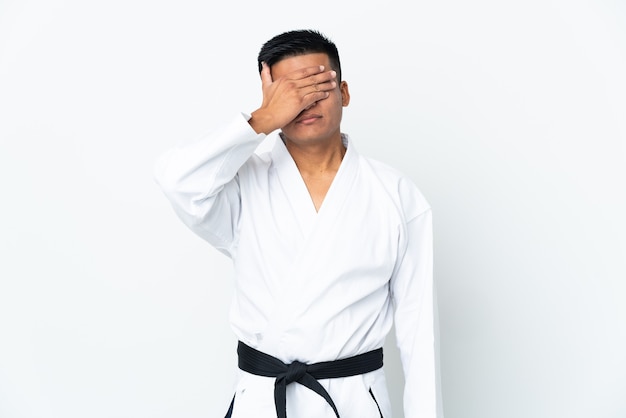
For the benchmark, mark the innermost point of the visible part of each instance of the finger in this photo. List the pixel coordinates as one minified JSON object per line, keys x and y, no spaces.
{"x":327,"y":76}
{"x":323,"y":87}
{"x":312,"y":98}
{"x":319,"y":79}
{"x":304,"y":73}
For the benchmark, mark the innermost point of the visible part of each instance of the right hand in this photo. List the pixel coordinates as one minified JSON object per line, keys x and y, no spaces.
{"x":286,"y":97}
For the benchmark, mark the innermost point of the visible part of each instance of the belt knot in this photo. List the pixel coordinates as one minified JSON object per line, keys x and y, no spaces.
{"x":261,"y":364}
{"x":295,"y":372}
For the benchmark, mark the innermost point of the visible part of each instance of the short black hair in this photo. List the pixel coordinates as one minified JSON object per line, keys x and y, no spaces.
{"x":299,"y":42}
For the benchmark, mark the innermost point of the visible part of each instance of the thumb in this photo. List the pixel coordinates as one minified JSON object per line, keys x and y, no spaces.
{"x":266,"y":76}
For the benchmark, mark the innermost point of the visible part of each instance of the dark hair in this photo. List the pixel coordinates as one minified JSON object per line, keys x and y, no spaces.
{"x":299,"y":42}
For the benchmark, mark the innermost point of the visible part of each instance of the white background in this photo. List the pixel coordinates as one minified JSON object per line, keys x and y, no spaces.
{"x":509,"y":115}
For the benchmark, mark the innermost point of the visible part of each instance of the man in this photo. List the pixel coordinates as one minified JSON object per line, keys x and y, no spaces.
{"x":329,"y":247}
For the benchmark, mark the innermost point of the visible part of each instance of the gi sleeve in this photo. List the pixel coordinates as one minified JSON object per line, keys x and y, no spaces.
{"x":200,"y":180}
{"x":413,"y":298}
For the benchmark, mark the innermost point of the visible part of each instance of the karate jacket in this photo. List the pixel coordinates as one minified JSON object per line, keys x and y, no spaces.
{"x":314,"y":285}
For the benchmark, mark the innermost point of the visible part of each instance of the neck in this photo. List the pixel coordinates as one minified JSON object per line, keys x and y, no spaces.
{"x":317,"y":159}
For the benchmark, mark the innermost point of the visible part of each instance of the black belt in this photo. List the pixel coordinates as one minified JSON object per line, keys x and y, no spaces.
{"x":261,"y":364}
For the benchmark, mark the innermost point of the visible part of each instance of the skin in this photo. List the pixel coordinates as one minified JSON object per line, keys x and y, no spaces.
{"x":301,"y":97}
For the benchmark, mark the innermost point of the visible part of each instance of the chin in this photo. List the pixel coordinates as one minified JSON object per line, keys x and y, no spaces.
{"x":306,"y":134}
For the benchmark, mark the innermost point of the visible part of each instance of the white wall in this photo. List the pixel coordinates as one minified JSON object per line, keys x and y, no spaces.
{"x":510,"y":116}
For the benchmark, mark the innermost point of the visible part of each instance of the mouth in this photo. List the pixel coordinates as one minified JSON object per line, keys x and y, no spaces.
{"x":307,"y":119}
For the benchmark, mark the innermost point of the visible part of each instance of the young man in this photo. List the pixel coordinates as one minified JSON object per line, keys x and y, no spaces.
{"x":329,"y":247}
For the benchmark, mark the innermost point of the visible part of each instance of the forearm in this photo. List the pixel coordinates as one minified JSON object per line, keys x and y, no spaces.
{"x":412,"y":290}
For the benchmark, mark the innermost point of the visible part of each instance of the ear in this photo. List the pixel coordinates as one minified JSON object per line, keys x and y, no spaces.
{"x":345,"y":94}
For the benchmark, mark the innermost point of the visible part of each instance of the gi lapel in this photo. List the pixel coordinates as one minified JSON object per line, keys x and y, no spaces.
{"x":294,"y":188}
{"x":340,"y":188}
{"x":299,"y":197}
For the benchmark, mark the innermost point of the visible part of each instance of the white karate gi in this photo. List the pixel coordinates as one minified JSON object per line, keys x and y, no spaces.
{"x":314,"y":286}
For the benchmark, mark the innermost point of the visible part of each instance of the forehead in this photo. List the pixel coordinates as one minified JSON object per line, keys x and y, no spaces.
{"x":290,"y":64}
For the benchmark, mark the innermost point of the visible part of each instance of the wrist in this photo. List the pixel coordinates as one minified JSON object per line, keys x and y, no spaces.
{"x":261,"y":122}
